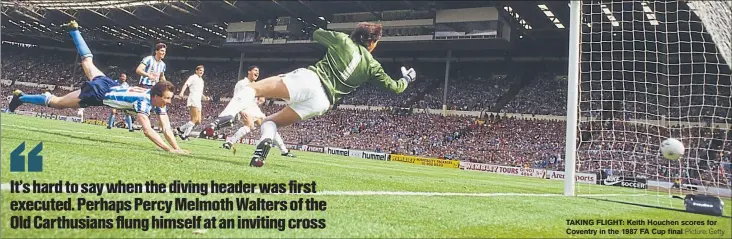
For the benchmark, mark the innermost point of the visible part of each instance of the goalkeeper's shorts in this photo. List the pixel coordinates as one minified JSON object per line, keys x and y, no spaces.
{"x":307,"y":96}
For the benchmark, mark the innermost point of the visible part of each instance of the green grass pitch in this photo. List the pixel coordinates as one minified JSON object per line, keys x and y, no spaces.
{"x":355,"y":190}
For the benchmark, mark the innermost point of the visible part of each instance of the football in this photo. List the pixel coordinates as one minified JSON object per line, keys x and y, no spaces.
{"x":672,"y":148}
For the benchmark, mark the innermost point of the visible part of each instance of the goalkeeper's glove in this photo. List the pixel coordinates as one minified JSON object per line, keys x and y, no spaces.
{"x":410,"y":75}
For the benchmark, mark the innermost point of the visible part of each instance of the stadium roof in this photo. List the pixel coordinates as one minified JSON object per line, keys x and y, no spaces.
{"x":185,"y":23}
{"x":200,"y":26}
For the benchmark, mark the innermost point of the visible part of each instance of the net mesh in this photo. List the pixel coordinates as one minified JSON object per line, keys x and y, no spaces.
{"x":651,"y":70}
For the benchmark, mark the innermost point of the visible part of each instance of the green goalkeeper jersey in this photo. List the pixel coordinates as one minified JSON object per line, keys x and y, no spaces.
{"x":347,"y":65}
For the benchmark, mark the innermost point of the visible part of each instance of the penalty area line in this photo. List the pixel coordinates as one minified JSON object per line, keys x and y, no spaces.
{"x":6,"y":187}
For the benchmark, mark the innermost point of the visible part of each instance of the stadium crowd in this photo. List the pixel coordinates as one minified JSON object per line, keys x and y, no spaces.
{"x":617,"y":146}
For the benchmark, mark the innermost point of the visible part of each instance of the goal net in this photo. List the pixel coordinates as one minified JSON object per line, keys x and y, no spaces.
{"x":651,"y":70}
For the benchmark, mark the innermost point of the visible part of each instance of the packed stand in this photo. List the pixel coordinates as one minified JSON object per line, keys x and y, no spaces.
{"x":546,"y":95}
{"x":695,"y":98}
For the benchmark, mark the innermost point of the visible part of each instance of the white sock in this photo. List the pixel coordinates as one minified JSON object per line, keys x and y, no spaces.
{"x":269,"y":129}
{"x":244,"y":130}
{"x":280,"y":143}
{"x":189,"y":126}
{"x":185,"y":126}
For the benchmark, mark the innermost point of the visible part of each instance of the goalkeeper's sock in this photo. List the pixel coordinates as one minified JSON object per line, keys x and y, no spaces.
{"x":41,"y":99}
{"x":81,"y":46}
{"x":280,"y":143}
{"x":110,"y":123}
{"x":128,"y":120}
{"x":269,"y":129}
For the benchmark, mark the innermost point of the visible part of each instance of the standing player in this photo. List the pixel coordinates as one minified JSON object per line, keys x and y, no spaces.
{"x":310,"y":92}
{"x":248,"y":115}
{"x":101,"y":91}
{"x":128,"y":119}
{"x":8,"y":99}
{"x":80,"y":114}
{"x":152,"y":68}
{"x":195,"y":84}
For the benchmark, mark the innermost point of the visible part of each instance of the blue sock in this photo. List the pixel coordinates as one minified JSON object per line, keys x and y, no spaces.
{"x":128,"y":119}
{"x":111,"y":120}
{"x":41,"y":99}
{"x":81,"y":46}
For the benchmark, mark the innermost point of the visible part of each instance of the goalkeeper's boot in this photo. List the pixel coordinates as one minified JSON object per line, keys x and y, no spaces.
{"x":226,"y":145}
{"x":260,"y":154}
{"x":72,"y":25}
{"x":288,"y":154}
{"x":15,"y":102}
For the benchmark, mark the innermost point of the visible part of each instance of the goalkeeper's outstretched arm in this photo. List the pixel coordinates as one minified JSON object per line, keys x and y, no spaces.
{"x":398,"y":86}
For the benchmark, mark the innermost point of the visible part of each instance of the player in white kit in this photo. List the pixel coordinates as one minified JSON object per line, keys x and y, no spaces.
{"x":249,"y":116}
{"x":195,"y":86}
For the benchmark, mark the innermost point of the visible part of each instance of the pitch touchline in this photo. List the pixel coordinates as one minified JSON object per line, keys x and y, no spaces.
{"x":6,"y":187}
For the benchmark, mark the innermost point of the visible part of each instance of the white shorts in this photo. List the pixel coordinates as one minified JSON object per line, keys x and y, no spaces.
{"x":194,"y":103}
{"x":307,"y":96}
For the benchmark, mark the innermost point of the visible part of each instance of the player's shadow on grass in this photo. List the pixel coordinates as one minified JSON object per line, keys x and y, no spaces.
{"x":237,"y":162}
{"x":67,"y":142}
{"x":80,"y":138}
{"x":243,"y":162}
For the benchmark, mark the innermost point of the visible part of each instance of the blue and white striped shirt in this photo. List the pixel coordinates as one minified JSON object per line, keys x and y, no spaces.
{"x":123,"y":84}
{"x":154,"y":68}
{"x":132,"y":100}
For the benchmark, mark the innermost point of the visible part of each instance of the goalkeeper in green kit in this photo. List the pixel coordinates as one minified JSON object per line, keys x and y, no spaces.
{"x":311,"y":91}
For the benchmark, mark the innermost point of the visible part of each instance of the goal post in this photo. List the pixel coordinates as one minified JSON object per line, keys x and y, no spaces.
{"x":639,"y":72}
{"x":575,"y":30}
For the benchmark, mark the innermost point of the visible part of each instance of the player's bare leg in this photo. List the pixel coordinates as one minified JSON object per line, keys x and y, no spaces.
{"x":196,"y":115}
{"x":185,"y":130}
{"x":270,"y":87}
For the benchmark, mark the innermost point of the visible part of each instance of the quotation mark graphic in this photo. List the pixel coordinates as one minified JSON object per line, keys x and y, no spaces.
{"x":35,"y":161}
